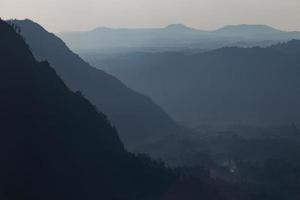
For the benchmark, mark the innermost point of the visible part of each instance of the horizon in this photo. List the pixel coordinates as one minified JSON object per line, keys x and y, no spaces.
{"x":153,"y":27}
{"x":67,"y":16}
{"x":183,"y":25}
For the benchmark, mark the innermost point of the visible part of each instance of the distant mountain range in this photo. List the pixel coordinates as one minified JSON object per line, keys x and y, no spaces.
{"x":173,"y":38}
{"x":256,"y":32}
{"x":258,"y":86}
{"x":138,"y":119}
{"x":246,"y":30}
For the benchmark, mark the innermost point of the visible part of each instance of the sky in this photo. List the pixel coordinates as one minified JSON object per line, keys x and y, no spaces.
{"x":72,"y":15}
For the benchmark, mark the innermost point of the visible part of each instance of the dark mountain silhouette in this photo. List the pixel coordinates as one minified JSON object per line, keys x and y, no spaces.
{"x":54,"y":144}
{"x":175,"y":37}
{"x":137,"y":118}
{"x":230,"y":85}
{"x":291,"y":48}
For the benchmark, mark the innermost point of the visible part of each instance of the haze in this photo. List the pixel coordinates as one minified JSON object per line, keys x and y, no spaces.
{"x":70,"y":15}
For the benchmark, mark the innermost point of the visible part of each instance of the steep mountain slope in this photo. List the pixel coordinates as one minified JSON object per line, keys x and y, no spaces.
{"x":54,"y":144}
{"x":230,"y":85}
{"x":137,"y":118}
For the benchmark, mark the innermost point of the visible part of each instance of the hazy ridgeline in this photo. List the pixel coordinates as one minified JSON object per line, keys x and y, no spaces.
{"x":250,"y":86}
{"x":179,"y":69}
{"x":175,"y":37}
{"x":238,"y":88}
{"x":243,"y":104}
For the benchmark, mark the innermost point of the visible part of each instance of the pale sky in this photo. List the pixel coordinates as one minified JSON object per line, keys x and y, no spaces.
{"x":70,"y":15}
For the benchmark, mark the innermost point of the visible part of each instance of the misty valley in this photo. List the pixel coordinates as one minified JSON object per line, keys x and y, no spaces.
{"x":172,"y":113}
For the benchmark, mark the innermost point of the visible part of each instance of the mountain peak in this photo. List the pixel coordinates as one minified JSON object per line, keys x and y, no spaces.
{"x":178,"y":27}
{"x":24,"y":21}
{"x":247,"y":28}
{"x":102,"y":28}
{"x":27,"y":23}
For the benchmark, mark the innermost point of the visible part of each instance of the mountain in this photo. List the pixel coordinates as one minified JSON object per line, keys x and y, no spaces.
{"x":290,"y":48}
{"x":54,"y":144}
{"x":110,"y":39}
{"x":246,"y":30}
{"x":258,"y":86}
{"x":175,"y":37}
{"x":138,"y":119}
{"x":257,"y":33}
{"x":179,"y":27}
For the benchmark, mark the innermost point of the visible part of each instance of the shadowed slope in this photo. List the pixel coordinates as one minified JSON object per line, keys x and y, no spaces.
{"x":53,"y":142}
{"x":137,"y":118}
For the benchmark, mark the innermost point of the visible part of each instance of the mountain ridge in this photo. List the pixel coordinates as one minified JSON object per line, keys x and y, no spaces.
{"x":137,"y":118}
{"x":252,"y":27}
{"x":246,"y":76}
{"x":175,"y":37}
{"x":55,"y":144}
